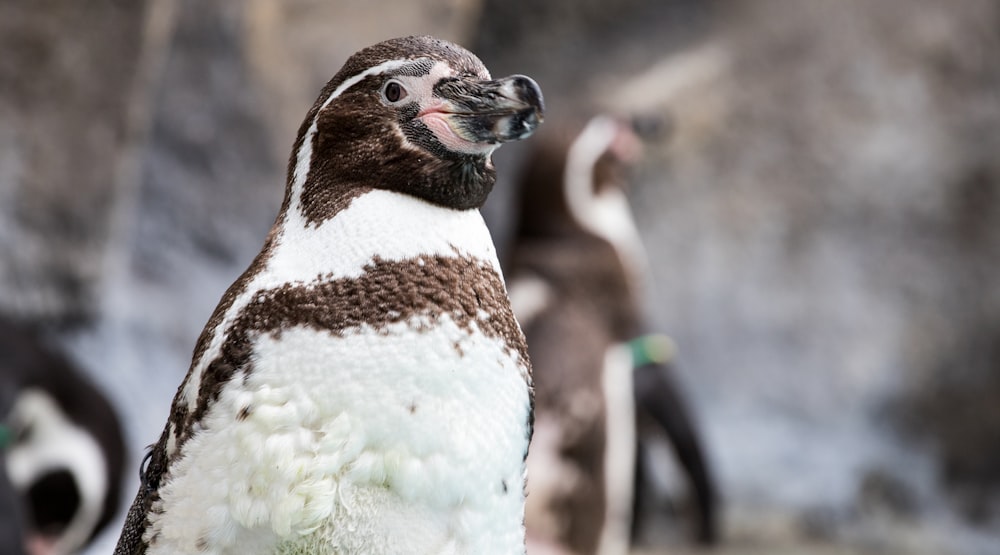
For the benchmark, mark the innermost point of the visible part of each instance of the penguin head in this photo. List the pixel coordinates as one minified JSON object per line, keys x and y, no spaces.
{"x":59,"y":471}
{"x":415,"y":115}
{"x":64,"y":452}
{"x":578,"y":174}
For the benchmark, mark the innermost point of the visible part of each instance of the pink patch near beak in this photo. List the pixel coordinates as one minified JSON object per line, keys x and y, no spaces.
{"x":437,"y":121}
{"x":37,"y":544}
{"x":626,"y":146}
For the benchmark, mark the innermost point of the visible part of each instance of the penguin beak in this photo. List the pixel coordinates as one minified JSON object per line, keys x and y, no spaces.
{"x":478,"y":116}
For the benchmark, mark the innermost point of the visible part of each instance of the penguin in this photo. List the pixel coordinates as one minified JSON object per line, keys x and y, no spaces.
{"x":62,"y":447}
{"x":363,"y":387}
{"x":575,"y":265}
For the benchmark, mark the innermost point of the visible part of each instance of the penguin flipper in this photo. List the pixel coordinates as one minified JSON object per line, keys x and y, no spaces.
{"x":131,"y":542}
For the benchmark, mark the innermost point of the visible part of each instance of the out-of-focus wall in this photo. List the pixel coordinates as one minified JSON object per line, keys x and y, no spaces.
{"x":66,"y":80}
{"x":824,"y":240}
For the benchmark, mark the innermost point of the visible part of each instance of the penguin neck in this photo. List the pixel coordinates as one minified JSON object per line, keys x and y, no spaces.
{"x":327,"y":170}
{"x":358,"y":223}
{"x":372,"y":224}
{"x":310,"y":191}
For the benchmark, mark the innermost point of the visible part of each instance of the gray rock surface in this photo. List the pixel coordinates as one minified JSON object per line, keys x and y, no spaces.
{"x":66,"y":75}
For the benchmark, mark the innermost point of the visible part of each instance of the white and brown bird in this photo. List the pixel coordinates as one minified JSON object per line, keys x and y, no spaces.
{"x":363,"y":387}
{"x":576,"y":265}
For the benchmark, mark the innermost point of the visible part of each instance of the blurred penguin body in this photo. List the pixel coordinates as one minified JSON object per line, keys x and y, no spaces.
{"x":575,"y":270}
{"x":363,"y":387}
{"x":65,"y":449}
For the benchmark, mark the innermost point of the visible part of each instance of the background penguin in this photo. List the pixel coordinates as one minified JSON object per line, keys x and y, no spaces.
{"x":363,"y":387}
{"x":63,"y":449}
{"x":575,"y":269}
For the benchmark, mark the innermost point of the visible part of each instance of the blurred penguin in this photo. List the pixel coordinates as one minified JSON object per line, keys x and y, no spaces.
{"x":575,"y":270}
{"x":63,"y":450}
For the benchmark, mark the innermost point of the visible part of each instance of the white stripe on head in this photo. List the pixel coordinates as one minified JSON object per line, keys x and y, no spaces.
{"x":607,"y":214}
{"x":303,"y":157}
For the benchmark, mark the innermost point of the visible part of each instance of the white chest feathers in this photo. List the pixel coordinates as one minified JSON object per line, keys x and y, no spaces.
{"x":407,"y":437}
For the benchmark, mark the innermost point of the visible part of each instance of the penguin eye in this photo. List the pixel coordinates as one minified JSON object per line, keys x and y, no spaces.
{"x":393,"y":91}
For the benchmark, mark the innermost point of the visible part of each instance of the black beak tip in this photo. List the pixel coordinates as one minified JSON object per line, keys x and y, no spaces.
{"x":530,"y":93}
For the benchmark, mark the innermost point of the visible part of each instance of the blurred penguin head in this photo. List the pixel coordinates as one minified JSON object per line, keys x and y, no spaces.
{"x":64,"y":451}
{"x":60,"y":472}
{"x":579,"y":172}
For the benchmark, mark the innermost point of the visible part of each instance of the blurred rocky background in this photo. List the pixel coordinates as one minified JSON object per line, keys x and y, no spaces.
{"x":822,"y":218}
